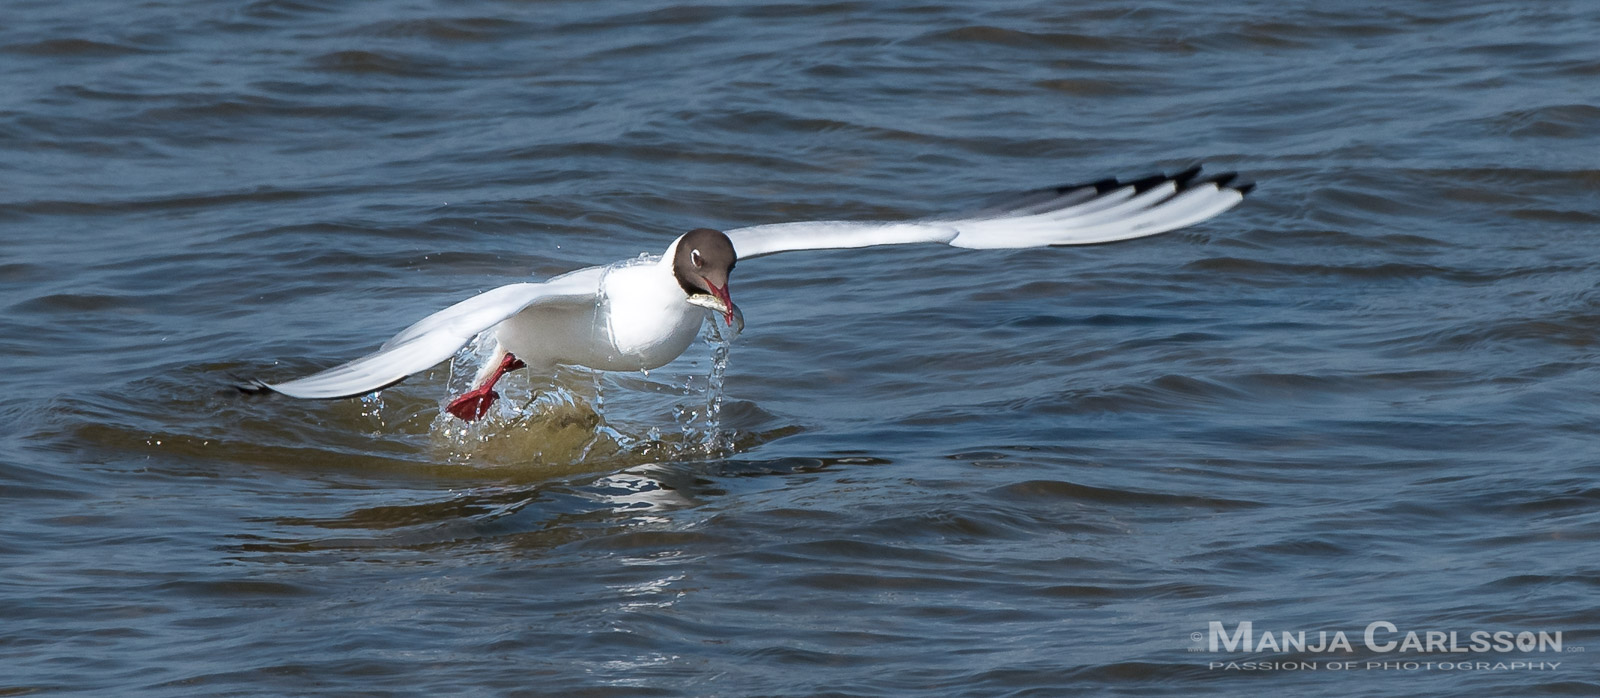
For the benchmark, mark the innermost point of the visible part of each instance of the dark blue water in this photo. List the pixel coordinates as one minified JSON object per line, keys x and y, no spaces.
{"x":1366,"y":395}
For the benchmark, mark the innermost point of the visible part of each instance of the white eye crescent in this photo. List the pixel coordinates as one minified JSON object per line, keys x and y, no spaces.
{"x":694,"y":256}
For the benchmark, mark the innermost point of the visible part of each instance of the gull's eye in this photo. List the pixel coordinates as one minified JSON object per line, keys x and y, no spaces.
{"x":694,"y":256}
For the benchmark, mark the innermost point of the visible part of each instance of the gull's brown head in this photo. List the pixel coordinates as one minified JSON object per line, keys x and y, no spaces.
{"x":702,"y":263}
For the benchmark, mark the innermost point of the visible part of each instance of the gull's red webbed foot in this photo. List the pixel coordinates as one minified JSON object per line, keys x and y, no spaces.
{"x":475,"y":403}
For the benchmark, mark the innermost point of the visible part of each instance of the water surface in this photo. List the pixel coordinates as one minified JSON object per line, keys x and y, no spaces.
{"x":1367,"y":394}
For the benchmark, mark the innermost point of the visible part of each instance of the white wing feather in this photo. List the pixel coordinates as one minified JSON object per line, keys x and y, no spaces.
{"x":1085,"y":214}
{"x":438,"y":336}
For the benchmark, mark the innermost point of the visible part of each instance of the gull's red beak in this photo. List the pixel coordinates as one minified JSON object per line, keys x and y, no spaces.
{"x":721,"y":292}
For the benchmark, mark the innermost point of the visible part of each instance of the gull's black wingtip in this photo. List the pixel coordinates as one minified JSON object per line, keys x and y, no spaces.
{"x":1140,"y":185}
{"x":251,"y":386}
{"x":1144,"y":184}
{"x":1182,"y":178}
{"x":1224,"y":180}
{"x":1045,"y":199}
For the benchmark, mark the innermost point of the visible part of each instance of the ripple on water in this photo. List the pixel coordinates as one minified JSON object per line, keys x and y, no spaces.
{"x":1367,"y":393}
{"x":73,"y":48}
{"x":448,"y":29}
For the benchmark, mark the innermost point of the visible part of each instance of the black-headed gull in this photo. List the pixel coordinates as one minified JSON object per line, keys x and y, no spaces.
{"x":643,"y":313}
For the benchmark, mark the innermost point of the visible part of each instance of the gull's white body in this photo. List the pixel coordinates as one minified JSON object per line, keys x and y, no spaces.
{"x":635,"y":315}
{"x":639,"y":319}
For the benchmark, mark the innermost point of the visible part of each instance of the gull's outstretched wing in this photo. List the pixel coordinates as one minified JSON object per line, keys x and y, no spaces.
{"x":1075,"y":214}
{"x":438,"y":337}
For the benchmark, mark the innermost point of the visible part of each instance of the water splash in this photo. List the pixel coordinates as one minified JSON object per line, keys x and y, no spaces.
{"x":579,"y":415}
{"x":373,"y":412}
{"x":700,"y":422}
{"x":717,"y":441}
{"x":538,"y":420}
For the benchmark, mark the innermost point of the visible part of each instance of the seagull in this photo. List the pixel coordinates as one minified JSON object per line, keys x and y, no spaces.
{"x":641,"y":314}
